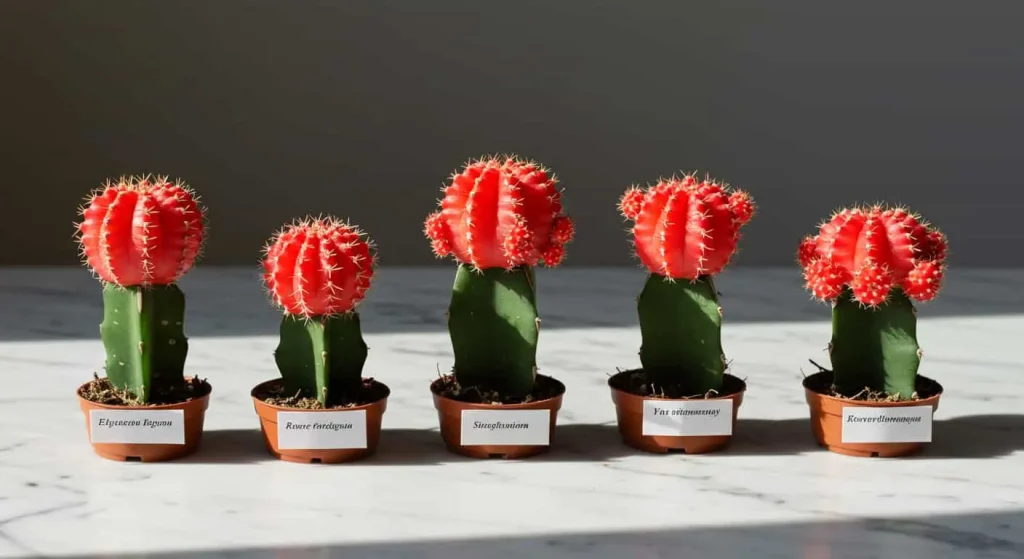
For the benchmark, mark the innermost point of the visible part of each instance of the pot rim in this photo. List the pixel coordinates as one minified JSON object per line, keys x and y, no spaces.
{"x":180,"y":405}
{"x":618,"y":391}
{"x":376,"y":403}
{"x":536,"y":404}
{"x":931,"y":400}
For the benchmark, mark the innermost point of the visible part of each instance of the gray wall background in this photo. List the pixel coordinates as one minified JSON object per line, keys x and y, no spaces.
{"x":362,"y":109}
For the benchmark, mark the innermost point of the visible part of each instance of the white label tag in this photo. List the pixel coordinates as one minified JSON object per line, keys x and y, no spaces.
{"x":506,"y":427}
{"x":911,"y":424}
{"x":687,"y":418}
{"x":140,"y":426}
{"x":324,"y":430}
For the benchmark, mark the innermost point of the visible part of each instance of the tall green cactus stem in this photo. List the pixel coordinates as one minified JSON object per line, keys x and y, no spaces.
{"x":321,"y":356}
{"x":492,"y":320}
{"x":681,"y":327}
{"x":875,"y":348}
{"x":144,"y":338}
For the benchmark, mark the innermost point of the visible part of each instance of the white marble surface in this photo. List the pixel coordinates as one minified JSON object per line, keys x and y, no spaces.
{"x":772,"y":494}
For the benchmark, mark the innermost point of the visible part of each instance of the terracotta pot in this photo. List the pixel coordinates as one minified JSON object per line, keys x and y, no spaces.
{"x":335,"y":446}
{"x":629,"y":412}
{"x":827,"y":418}
{"x":450,"y":413}
{"x":192,"y":415}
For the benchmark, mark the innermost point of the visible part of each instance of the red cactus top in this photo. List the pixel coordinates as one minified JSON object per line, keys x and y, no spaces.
{"x":685,"y":228}
{"x":318,"y":267}
{"x":501,"y":212}
{"x":872,"y":250}
{"x":141,"y":231}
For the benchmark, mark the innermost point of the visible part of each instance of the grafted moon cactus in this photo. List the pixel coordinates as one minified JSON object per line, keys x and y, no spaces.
{"x":139,"y":236}
{"x":685,"y":231}
{"x":317,"y":271}
{"x":500,"y":217}
{"x":870,"y":263}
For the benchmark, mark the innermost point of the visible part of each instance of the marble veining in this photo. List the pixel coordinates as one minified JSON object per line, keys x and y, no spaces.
{"x":773,"y":493}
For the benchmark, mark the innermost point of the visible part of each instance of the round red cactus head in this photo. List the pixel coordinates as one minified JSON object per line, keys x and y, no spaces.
{"x":872,"y":250}
{"x":318,"y":267}
{"x":141,"y":231}
{"x":684,"y":228}
{"x":501,"y":212}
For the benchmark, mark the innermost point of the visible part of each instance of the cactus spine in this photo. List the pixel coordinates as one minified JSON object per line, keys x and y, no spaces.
{"x":500,"y":217}
{"x":139,"y":236}
{"x":871,"y":263}
{"x":685,"y":231}
{"x":317,"y":271}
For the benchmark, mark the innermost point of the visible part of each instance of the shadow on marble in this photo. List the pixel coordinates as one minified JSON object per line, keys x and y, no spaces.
{"x":230,"y":446}
{"x":65,"y":303}
{"x":572,"y":443}
{"x":995,"y":535}
{"x":968,"y":437}
{"x":975,"y":436}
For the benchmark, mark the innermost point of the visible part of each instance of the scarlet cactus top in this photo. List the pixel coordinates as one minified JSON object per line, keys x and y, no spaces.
{"x":140,"y":231}
{"x":501,"y":212}
{"x":871,"y":250}
{"x":318,"y":267}
{"x":685,"y":228}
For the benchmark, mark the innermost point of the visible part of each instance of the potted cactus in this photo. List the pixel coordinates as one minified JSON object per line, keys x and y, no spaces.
{"x":139,"y":236}
{"x":685,"y":231}
{"x":871,"y":264}
{"x":321,"y":409}
{"x":499,"y":218}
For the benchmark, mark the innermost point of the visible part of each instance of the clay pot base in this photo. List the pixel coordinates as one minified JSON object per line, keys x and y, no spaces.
{"x":826,"y":413}
{"x":268,"y":414}
{"x":192,"y":416}
{"x":629,"y":411}
{"x":450,"y":411}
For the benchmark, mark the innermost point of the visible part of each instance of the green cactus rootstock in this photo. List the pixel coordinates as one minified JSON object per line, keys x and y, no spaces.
{"x":144,"y":338}
{"x":492,"y":320}
{"x":681,"y":327}
{"x":321,"y":356}
{"x":875,"y":348}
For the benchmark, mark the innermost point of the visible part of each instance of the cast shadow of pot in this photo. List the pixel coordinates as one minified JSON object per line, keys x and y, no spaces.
{"x":599,"y":442}
{"x":571,"y":443}
{"x":230,"y":446}
{"x":977,"y":436}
